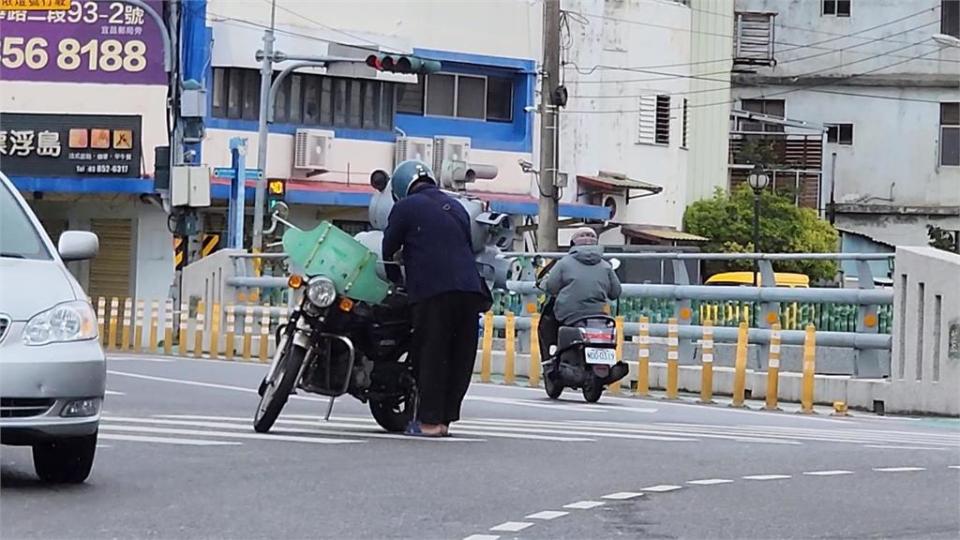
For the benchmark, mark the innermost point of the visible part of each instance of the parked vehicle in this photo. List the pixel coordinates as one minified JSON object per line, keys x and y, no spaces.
{"x":52,"y":368}
{"x":349,"y":334}
{"x":782,"y":279}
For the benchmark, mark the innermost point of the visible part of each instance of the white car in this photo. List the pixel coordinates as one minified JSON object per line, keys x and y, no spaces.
{"x":52,"y":368}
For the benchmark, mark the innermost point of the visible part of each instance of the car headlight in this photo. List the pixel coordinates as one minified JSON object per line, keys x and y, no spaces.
{"x":321,"y":292}
{"x":69,"y":321}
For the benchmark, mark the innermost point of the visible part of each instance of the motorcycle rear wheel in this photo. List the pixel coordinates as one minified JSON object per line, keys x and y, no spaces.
{"x":275,"y":393}
{"x":393,"y":415}
{"x":592,"y":391}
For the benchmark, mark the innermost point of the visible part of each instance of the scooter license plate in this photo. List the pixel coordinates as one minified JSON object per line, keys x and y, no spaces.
{"x":601,"y":356}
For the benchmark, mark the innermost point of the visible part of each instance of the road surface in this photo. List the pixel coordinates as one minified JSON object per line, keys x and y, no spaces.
{"x":178,"y":458}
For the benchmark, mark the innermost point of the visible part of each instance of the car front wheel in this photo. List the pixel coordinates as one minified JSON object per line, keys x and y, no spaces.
{"x":65,"y":461}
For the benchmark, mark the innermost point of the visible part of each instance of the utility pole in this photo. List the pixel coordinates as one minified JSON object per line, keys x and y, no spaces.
{"x":549,"y":116}
{"x":266,"y":76}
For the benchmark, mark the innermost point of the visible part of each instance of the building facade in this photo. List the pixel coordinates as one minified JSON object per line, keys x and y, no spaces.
{"x":870,"y":101}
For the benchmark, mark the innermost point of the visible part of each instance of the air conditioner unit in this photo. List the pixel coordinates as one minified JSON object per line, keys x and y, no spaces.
{"x":413,"y":148}
{"x":312,"y":149}
{"x":615,"y":203}
{"x":450,"y":149}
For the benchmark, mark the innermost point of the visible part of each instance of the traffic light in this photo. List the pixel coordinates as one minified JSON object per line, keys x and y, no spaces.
{"x":403,"y":64}
{"x":276,"y":190}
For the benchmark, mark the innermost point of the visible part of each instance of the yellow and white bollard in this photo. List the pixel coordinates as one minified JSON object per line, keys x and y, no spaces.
{"x":199,"y":330}
{"x":183,"y":345}
{"x":614,"y":387}
{"x":534,"y":372}
{"x":486,"y":357}
{"x":809,"y":369}
{"x":247,"y":332}
{"x":215,"y":331}
{"x":265,"y":334}
{"x":168,"y":327}
{"x":643,"y":358}
{"x":740,"y":366}
{"x":154,"y":323}
{"x":706,"y":362}
{"x":230,"y":333}
{"x":510,"y":349}
{"x":125,"y":333}
{"x":773,"y":369}
{"x":101,"y":317}
{"x":114,"y":315}
{"x":673,"y":358}
{"x":138,"y":327}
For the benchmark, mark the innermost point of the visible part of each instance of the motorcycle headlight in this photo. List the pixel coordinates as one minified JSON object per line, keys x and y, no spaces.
{"x":321,"y":292}
{"x":69,"y":321}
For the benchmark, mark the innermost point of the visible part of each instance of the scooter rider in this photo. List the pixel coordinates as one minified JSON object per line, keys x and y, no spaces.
{"x":581,"y":283}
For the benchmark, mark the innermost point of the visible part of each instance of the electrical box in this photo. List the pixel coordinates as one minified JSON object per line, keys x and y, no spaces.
{"x":193,"y":103}
{"x":190,"y":186}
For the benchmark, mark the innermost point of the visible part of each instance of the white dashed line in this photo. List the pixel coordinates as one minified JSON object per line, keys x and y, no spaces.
{"x":827,"y":473}
{"x":113,"y":393}
{"x":953,"y":466}
{"x":767,"y":477}
{"x":547,"y":515}
{"x":512,"y":526}
{"x":583,"y":505}
{"x":482,"y":537}
{"x":662,"y":488}
{"x":894,"y":447}
{"x":622,"y":495}
{"x":710,"y":482}
{"x":900,"y":469}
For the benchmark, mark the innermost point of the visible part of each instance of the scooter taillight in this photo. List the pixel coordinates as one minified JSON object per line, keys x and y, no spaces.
{"x":597,"y":336}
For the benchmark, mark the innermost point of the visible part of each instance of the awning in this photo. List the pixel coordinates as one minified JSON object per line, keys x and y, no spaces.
{"x":659,"y":234}
{"x":611,"y":182}
{"x":507,"y":203}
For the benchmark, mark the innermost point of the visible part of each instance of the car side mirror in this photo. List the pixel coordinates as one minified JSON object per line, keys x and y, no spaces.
{"x":615,"y":263}
{"x":78,"y":245}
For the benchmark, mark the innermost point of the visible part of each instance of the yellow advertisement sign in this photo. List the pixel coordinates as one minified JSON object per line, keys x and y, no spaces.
{"x":34,"y":5}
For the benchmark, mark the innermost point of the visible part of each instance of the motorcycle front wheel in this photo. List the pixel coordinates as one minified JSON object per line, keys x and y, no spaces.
{"x":553,"y":387}
{"x":276,"y":392}
{"x":393,"y":414}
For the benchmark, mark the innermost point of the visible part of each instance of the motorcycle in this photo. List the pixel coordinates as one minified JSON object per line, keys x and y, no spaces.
{"x":581,"y":355}
{"x":337,"y":343}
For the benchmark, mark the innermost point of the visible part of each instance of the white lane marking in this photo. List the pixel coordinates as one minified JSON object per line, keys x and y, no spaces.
{"x":778,"y":432}
{"x":104,"y":446}
{"x":663,"y":488}
{"x":767,"y":477}
{"x":203,"y":384}
{"x":245,"y":427}
{"x":583,"y":505}
{"x":113,"y":393}
{"x":622,"y":495}
{"x":710,"y":482}
{"x":642,"y":428}
{"x":512,"y":526}
{"x":534,"y":404}
{"x":547,"y":515}
{"x":162,"y":440}
{"x":899,"y":469}
{"x":953,"y":466}
{"x":356,"y":422}
{"x":227,"y":434}
{"x":482,"y":537}
{"x":827,"y":473}
{"x":896,"y":447}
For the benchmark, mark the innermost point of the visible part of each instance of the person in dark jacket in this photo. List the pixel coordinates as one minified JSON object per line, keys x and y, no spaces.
{"x":582,"y":282}
{"x":445,"y":288}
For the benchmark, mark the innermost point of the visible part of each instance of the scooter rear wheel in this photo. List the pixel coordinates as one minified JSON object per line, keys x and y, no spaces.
{"x":553,"y":388}
{"x":592,"y":392}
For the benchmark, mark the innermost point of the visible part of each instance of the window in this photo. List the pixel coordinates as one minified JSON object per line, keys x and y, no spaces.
{"x":471,"y":97}
{"x":950,"y":17}
{"x":499,"y":99}
{"x":838,"y":8}
{"x":441,"y":95}
{"x":410,"y":97}
{"x":19,"y":239}
{"x":840,"y":134}
{"x":310,"y":100}
{"x":769,"y":107}
{"x":663,"y":120}
{"x":950,"y":134}
{"x":683,"y":135}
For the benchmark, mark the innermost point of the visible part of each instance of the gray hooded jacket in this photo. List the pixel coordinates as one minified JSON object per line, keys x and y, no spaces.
{"x":582,"y":283}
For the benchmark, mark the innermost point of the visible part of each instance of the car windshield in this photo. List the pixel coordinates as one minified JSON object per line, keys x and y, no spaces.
{"x":19,"y":239}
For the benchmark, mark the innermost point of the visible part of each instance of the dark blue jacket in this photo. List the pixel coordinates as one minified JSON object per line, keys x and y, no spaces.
{"x":433,"y":230}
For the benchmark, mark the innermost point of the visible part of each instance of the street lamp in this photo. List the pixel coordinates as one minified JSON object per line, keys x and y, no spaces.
{"x":758,"y":181}
{"x":946,"y":40}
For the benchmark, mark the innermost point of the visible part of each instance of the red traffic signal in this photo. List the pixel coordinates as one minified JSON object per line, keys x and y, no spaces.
{"x":374,"y":61}
{"x":402,"y":64}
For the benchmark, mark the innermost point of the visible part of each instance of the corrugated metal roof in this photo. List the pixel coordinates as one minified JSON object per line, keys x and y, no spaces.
{"x":618,"y":181}
{"x":662,"y":233}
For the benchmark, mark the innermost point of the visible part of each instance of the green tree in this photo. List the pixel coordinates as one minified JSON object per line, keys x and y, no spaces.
{"x":727,"y":220}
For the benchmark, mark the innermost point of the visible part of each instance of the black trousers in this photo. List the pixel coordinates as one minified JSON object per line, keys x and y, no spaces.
{"x":445,"y":333}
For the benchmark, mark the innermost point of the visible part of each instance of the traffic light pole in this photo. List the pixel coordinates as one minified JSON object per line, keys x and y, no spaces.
{"x":547,"y":214}
{"x":266,"y":74}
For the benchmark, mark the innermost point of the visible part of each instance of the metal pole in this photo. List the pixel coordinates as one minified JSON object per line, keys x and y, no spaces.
{"x":756,"y":235}
{"x":266,"y":73}
{"x":547,"y":209}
